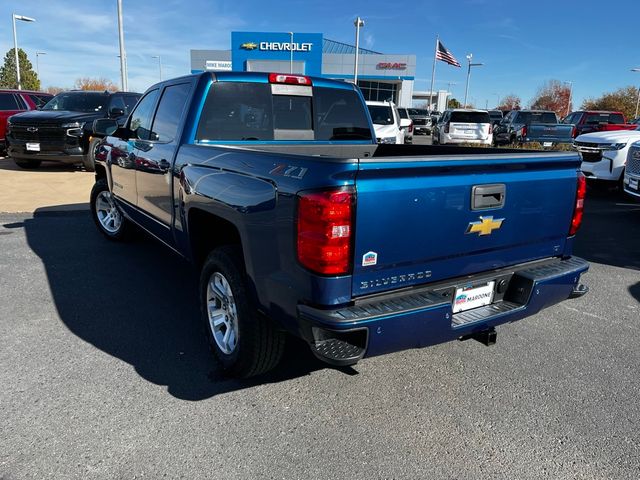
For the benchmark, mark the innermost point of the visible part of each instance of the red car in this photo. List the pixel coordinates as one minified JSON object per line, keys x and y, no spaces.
{"x":16,"y":101}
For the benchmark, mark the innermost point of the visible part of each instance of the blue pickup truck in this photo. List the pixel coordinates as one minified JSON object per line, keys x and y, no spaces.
{"x":273,"y":185}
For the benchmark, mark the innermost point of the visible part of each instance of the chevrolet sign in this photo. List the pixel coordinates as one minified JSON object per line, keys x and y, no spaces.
{"x":285,"y":46}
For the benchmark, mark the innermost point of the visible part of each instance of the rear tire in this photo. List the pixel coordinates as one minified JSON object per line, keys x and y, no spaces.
{"x":89,"y":160}
{"x":27,"y":164}
{"x":107,"y":216}
{"x":244,"y":342}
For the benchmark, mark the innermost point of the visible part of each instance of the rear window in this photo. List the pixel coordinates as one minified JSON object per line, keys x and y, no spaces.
{"x":470,"y":117}
{"x":235,"y":111}
{"x":40,"y":100}
{"x":535,"y":117}
{"x":610,"y":118}
{"x":403,"y":113}
{"x":419,"y":112}
{"x":8,"y":102}
{"x":381,"y":114}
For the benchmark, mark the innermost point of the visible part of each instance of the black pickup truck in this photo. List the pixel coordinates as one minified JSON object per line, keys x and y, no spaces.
{"x":62,"y":131}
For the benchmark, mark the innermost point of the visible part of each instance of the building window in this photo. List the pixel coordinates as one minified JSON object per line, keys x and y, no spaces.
{"x":379,"y":91}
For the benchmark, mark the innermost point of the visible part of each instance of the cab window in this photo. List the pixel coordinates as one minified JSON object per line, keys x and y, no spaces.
{"x":140,"y":124}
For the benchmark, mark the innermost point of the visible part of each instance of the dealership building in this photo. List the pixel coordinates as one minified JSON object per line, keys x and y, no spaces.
{"x":380,"y":76}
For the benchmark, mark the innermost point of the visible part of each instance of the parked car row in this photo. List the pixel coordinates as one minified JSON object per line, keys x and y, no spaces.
{"x":62,"y":129}
{"x":36,"y":126}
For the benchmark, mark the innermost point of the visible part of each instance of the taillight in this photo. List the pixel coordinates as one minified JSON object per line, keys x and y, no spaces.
{"x":490,"y":128}
{"x":581,"y":192}
{"x":325,"y":227}
{"x":574,"y":132}
{"x":285,"y":78}
{"x":446,"y":127}
{"x":411,"y":127}
{"x":524,"y":132}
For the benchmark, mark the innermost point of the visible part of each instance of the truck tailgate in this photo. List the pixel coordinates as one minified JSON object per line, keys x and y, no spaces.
{"x":415,"y":222}
{"x":550,"y":133}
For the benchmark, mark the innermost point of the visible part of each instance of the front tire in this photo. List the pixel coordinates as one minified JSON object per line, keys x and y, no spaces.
{"x":106,"y":214}
{"x":89,"y":160}
{"x":27,"y":164}
{"x":245,"y":343}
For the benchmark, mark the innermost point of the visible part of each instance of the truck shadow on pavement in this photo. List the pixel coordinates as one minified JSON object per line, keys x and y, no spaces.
{"x":610,"y":233}
{"x":139,"y":302}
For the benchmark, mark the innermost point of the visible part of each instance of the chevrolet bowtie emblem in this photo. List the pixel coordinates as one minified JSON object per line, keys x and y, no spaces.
{"x":485,"y":226}
{"x":249,"y":46}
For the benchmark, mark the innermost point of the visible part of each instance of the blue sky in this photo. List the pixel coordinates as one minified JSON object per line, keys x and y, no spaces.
{"x":522,"y":44}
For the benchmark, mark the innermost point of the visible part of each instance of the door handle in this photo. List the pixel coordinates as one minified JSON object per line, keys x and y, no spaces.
{"x":164,"y":165}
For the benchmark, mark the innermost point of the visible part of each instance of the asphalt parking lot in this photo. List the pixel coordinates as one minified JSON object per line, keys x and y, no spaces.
{"x":105,"y":374}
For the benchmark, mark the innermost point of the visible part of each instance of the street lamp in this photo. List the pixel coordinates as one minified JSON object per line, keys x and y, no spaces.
{"x":123,"y":55}
{"x":570,"y":92}
{"x":15,"y":43}
{"x":358,"y":22}
{"x":449,"y":94}
{"x":466,"y":90}
{"x":291,"y":52}
{"x":638,"y":101}
{"x":159,"y":64}
{"x":37,"y":62}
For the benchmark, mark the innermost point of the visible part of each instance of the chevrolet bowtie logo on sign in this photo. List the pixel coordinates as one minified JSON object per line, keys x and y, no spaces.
{"x":249,"y":46}
{"x":485,"y":226}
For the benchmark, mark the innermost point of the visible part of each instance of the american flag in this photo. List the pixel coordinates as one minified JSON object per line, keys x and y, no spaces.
{"x":445,"y":55}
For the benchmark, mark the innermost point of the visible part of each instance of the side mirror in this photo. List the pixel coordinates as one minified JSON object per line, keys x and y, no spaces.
{"x":405,"y":122}
{"x":116,"y":112}
{"x":104,"y":126}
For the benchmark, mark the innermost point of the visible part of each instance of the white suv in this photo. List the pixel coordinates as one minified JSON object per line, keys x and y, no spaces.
{"x":604,"y":154}
{"x":386,"y":122}
{"x":464,"y":126}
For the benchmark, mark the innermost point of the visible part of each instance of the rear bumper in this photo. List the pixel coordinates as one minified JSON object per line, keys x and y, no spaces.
{"x":424,"y":317}
{"x":448,"y":138}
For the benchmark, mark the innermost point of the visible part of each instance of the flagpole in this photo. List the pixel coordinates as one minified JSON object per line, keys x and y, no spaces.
{"x":433,"y":72}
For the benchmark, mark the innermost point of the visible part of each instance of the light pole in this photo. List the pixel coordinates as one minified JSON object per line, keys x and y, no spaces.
{"x":290,"y":52}
{"x":159,"y":64}
{"x":638,"y":101}
{"x":358,"y":22}
{"x":466,"y":90}
{"x":123,"y":55}
{"x":449,"y":94}
{"x":498,"y":100}
{"x":38,"y":63}
{"x":15,"y":43}
{"x":570,"y":92}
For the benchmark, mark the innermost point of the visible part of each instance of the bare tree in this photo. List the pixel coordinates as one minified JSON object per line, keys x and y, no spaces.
{"x":553,"y":95}
{"x":55,"y":90}
{"x":101,"y":84}
{"x":510,"y":102}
